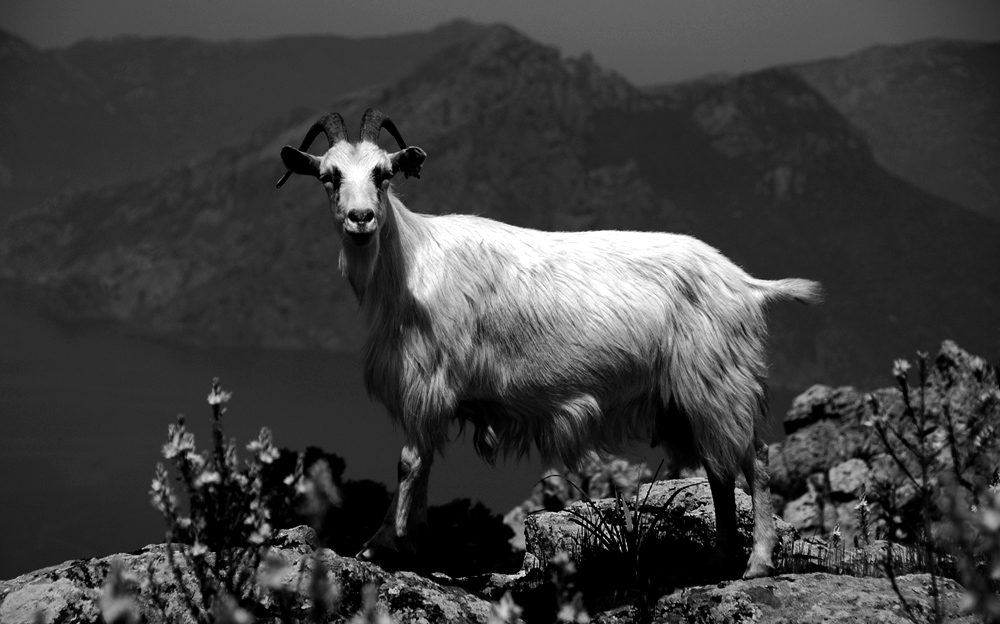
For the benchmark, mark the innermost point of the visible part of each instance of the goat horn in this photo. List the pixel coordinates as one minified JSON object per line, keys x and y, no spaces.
{"x":332,"y":125}
{"x":372,"y":123}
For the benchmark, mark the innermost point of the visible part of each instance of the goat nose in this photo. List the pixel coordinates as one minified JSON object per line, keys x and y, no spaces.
{"x":361,"y":216}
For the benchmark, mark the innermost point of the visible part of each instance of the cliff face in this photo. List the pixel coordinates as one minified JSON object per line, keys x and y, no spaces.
{"x":762,"y":166}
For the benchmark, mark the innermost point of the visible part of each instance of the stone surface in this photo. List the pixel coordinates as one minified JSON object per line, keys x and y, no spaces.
{"x":597,"y":477}
{"x":808,"y":599}
{"x":682,"y":534}
{"x":846,"y":478}
{"x":71,"y":592}
{"x":819,"y":402}
{"x":832,"y":442}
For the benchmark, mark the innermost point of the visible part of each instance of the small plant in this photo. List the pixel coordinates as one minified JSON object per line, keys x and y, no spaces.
{"x":218,"y":544}
{"x":863,"y":511}
{"x":944,"y":460}
{"x":620,"y":531}
{"x":220,"y":541}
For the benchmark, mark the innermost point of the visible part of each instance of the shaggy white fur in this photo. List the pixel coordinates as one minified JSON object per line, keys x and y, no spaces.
{"x":567,"y":342}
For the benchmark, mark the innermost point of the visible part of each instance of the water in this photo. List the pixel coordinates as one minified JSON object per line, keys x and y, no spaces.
{"x":84,"y":410}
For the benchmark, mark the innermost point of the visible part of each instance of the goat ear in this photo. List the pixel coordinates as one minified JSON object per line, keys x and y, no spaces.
{"x":408,"y":161}
{"x":300,"y":162}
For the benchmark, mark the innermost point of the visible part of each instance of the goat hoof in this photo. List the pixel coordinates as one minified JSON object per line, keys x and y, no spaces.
{"x":385,"y":557}
{"x":758,"y":569}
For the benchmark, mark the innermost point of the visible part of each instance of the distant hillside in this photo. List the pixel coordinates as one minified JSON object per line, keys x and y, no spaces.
{"x":109,"y":110}
{"x":930,"y":110}
{"x":761,"y":165}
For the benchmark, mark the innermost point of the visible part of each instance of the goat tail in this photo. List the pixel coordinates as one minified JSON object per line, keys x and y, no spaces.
{"x":801,"y":290}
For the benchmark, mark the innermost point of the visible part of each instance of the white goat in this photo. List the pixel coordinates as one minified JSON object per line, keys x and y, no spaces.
{"x":570,"y":341}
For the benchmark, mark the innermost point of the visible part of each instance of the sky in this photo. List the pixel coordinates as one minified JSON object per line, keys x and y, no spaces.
{"x":648,"y":41}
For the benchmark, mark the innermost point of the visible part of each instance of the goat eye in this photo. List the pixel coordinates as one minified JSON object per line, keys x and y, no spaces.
{"x":380,"y":175}
{"x":330,"y":177}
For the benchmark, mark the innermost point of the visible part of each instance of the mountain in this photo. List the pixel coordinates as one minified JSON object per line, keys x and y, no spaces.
{"x":110,"y":110}
{"x":930,"y":111}
{"x":761,"y":166}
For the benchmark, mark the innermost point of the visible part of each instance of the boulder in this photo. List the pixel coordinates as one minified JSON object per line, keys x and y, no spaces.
{"x":811,"y":598}
{"x":597,"y":477}
{"x":847,"y":477}
{"x":77,"y":591}
{"x":679,"y":540}
{"x":833,"y":445}
{"x":821,"y":402}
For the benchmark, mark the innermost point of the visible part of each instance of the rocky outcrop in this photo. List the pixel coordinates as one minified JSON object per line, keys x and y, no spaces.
{"x":597,"y":477}
{"x":76,"y":591}
{"x":676,"y":521}
{"x":833,"y":451}
{"x":810,"y":599}
{"x":123,"y":587}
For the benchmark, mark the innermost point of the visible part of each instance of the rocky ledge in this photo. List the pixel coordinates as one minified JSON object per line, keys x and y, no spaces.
{"x":142,"y":586}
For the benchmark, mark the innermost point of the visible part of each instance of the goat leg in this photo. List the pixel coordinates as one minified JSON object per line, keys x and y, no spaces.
{"x":755,"y":469}
{"x":395,"y":543}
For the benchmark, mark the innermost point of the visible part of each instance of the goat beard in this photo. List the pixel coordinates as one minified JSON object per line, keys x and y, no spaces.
{"x":357,"y":264}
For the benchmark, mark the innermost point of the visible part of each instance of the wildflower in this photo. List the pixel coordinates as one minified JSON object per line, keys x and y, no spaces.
{"x":990,"y":519}
{"x":199,"y":549}
{"x":258,"y":537}
{"x":899,"y":369}
{"x":180,"y":441}
{"x":226,"y":610}
{"x":274,"y":572}
{"x":862,"y":506}
{"x":573,"y":612}
{"x":218,"y":396}
{"x":207,"y":477}
{"x":563,"y":563}
{"x":263,"y":447}
{"x":195,"y":459}
{"x":835,"y":537}
{"x":163,"y":496}
{"x":506,"y":611}
{"x":863,"y":510}
{"x":118,"y":604}
{"x":222,"y":396}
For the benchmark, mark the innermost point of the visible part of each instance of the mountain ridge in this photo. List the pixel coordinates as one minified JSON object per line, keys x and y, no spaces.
{"x":761,"y":166}
{"x":129,"y":107}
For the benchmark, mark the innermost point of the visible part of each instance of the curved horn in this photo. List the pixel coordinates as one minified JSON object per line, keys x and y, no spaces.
{"x":372,"y":123}
{"x":332,"y":125}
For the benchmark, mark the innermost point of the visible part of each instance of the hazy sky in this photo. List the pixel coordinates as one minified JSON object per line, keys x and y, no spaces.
{"x":649,"y":41}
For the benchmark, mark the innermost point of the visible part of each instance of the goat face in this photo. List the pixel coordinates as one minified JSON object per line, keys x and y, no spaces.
{"x":356,"y":176}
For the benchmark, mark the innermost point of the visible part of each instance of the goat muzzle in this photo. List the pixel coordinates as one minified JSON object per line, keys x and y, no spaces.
{"x":360,"y":226}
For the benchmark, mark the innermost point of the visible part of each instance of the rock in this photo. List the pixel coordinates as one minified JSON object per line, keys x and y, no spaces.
{"x":71,"y":592}
{"x":809,"y":598}
{"x":598,"y":477}
{"x":833,"y":432}
{"x":846,"y":478}
{"x":816,"y":449}
{"x":681,"y":518}
{"x":802,"y":513}
{"x":820,"y":402}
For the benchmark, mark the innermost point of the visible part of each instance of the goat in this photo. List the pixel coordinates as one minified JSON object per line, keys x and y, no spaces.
{"x":568,"y":341}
